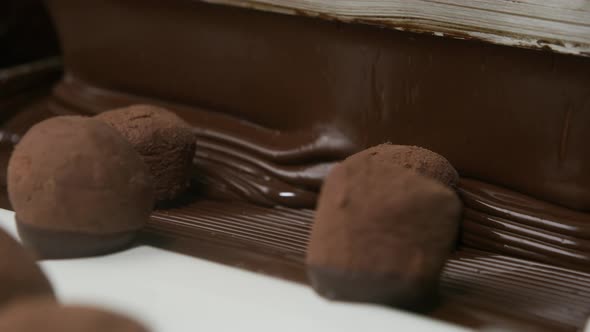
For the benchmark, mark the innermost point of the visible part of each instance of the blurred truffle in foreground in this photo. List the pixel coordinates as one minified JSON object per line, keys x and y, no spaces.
{"x":78,"y":188}
{"x":165,"y":142}
{"x":381,"y":234}
{"x":421,"y":160}
{"x":40,"y":315}
{"x":20,"y":276}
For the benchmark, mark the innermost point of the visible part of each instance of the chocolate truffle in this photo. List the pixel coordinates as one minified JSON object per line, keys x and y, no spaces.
{"x":165,"y":142}
{"x":78,"y":188}
{"x":41,"y":315}
{"x":20,"y":276}
{"x":381,"y":234}
{"x":422,"y":160}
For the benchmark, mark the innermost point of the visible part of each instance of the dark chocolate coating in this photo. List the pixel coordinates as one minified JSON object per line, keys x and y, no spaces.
{"x":421,"y":160}
{"x":381,"y":234}
{"x":20,"y":276}
{"x":42,"y":315}
{"x":71,"y":244}
{"x":78,"y":176}
{"x":164,"y":141}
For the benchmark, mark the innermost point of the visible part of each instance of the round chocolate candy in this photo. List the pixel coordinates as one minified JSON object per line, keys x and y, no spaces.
{"x":78,"y":188}
{"x":381,"y":234}
{"x":165,"y":142}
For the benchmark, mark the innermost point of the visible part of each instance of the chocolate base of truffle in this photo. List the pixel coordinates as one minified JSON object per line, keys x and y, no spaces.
{"x":335,"y":284}
{"x":52,"y":244}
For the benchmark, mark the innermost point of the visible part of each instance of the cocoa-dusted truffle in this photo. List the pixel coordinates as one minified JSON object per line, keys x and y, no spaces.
{"x":78,"y":188}
{"x":422,"y":160}
{"x":165,"y":142}
{"x":20,"y":276}
{"x":381,"y":234}
{"x":41,"y":315}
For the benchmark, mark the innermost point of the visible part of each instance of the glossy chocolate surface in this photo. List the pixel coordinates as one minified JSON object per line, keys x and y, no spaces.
{"x":311,"y":90}
{"x":500,"y":220}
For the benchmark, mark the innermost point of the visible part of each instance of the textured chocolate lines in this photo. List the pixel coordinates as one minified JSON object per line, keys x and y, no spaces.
{"x":556,"y":295}
{"x":495,"y":219}
{"x":499,"y":220}
{"x":278,"y":229}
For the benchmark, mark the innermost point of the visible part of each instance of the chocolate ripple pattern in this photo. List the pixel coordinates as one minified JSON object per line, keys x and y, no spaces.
{"x":279,"y":229}
{"x":239,"y":173}
{"x":557,"y":299}
{"x":499,"y":220}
